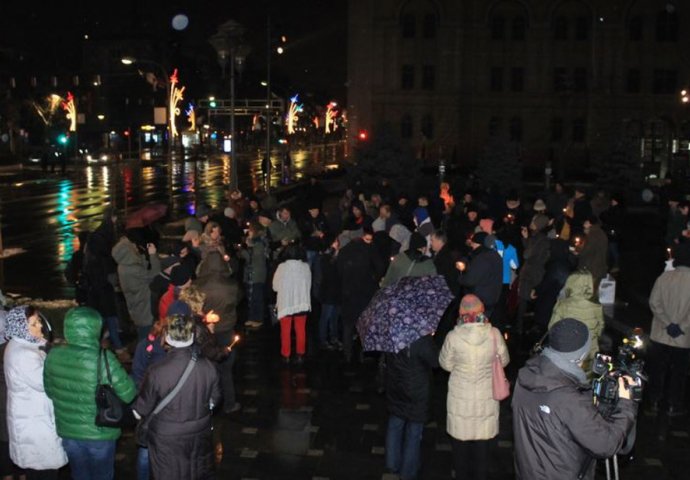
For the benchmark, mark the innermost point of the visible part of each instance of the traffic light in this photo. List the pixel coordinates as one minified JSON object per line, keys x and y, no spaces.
{"x":363,"y":135}
{"x":212,"y":104}
{"x":126,"y":133}
{"x":62,"y":139}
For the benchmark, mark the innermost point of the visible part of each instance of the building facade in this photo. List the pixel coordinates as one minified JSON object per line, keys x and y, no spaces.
{"x":563,"y":79}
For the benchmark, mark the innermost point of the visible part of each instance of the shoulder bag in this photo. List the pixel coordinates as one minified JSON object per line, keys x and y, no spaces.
{"x":500,"y":384}
{"x":111,"y":411}
{"x":142,"y":430}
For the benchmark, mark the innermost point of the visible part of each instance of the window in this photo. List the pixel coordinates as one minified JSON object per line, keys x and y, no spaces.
{"x":408,"y":26}
{"x":580,"y":80}
{"x":517,"y":79}
{"x":667,"y":26}
{"x":519,"y":28}
{"x":494,"y":126}
{"x":428,"y":126}
{"x":560,"y":28}
{"x":428,"y":77}
{"x":635,"y":28}
{"x":582,"y":28}
{"x":665,"y":81}
{"x":429,"y":26}
{"x":496,"y":79}
{"x":407,"y":80}
{"x":633,"y":83}
{"x":560,"y":79}
{"x":556,"y":129}
{"x":498,"y":27}
{"x":516,"y":129}
{"x":579,"y":130}
{"x":406,"y":127}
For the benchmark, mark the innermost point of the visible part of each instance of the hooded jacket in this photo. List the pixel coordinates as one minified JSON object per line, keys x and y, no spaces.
{"x":70,"y":377}
{"x":408,"y":264}
{"x":579,"y":290}
{"x":135,"y":277}
{"x":34,"y":443}
{"x":222,"y":292}
{"x":468,"y":354}
{"x":556,"y":427}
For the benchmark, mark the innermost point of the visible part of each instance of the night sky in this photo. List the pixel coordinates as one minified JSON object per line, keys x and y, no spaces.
{"x":49,"y":40}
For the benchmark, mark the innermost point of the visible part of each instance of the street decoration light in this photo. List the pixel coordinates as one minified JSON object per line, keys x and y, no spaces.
{"x":292,"y":117}
{"x":175,"y":96}
{"x":70,"y":107}
{"x":331,"y":114}
{"x":684,"y":96}
{"x":191,"y":117}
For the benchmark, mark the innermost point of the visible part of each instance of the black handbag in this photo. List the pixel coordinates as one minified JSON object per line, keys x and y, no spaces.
{"x":111,"y":411}
{"x":142,"y":431}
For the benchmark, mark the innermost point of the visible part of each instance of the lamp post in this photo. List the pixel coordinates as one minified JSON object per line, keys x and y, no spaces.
{"x":166,"y":79}
{"x":228,"y":43}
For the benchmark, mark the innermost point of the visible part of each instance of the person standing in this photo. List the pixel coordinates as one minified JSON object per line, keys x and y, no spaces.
{"x":222,"y":296}
{"x":535,"y":255}
{"x":593,"y":255}
{"x":180,"y":436}
{"x":135,"y":274}
{"x":669,"y":350}
{"x":411,"y":263}
{"x":408,"y":392}
{"x":484,"y":275}
{"x":34,"y":442}
{"x":70,"y":380}
{"x":292,"y":283}
{"x":255,"y":272}
{"x":472,"y":413}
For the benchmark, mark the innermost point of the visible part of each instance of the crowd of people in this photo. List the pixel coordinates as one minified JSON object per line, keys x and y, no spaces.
{"x":517,"y":268}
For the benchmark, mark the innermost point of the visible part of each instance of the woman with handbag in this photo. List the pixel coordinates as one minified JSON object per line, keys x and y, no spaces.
{"x":474,"y":353}
{"x":34,"y":442}
{"x":71,"y":376}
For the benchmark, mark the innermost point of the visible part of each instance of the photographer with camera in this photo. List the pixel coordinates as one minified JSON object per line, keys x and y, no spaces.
{"x":557,"y":427}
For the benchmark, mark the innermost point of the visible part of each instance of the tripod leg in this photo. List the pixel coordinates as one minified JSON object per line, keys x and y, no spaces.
{"x":608,"y":469}
{"x":615,"y":467}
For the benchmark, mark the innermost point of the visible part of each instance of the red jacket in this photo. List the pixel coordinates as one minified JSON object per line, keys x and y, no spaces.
{"x":166,"y":300}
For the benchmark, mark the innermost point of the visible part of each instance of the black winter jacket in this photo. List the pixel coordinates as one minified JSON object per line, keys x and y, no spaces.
{"x":408,"y":379}
{"x":484,"y":276}
{"x":556,"y":428}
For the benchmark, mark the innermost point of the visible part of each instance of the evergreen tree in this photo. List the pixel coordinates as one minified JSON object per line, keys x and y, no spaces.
{"x":500,"y":165}
{"x":618,"y":168}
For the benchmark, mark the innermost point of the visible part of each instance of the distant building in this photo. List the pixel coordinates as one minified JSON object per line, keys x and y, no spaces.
{"x":564,"y":79}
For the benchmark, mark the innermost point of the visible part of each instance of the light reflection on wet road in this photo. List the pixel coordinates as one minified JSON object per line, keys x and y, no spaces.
{"x":45,"y":216}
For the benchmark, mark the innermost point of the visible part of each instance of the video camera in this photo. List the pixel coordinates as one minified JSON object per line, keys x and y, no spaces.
{"x":608,"y":370}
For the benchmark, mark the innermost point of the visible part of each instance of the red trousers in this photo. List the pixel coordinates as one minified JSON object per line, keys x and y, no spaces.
{"x":300,"y":333}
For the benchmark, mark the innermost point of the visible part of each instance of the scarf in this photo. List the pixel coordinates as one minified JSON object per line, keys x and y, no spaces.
{"x":568,"y":366}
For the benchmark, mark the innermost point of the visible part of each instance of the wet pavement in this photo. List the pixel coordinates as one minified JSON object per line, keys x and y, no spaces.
{"x":44,"y":215}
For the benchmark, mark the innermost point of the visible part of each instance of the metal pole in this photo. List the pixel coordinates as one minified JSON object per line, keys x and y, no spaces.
{"x":233,"y":150}
{"x":269,"y":110}
{"x":168,"y":125}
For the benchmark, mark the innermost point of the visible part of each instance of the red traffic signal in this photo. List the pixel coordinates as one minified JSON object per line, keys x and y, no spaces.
{"x":363,"y":135}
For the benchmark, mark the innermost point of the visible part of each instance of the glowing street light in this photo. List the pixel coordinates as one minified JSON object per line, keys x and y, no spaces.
{"x":174,"y":98}
{"x":100,"y":116}
{"x":292,"y":118}
{"x":280,"y":50}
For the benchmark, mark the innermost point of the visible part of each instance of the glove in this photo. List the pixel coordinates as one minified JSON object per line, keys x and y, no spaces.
{"x":674,"y":330}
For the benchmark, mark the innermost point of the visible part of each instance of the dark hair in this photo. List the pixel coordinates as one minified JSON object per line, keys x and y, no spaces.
{"x":441,"y":235}
{"x":293,"y":251}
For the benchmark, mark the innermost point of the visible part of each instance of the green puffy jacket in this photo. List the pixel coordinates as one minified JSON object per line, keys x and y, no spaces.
{"x":70,"y":378}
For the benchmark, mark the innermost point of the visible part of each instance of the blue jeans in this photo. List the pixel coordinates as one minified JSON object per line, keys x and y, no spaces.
{"x":90,"y":459}
{"x":328,"y":323}
{"x":403,"y":445}
{"x":256,"y":302}
{"x":113,"y":329}
{"x":143,"y":463}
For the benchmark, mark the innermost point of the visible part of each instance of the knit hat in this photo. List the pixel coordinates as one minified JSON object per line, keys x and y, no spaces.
{"x":178,"y":307}
{"x":570,"y":338}
{"x":539,"y":205}
{"x":681,"y":255}
{"x":203,"y":211}
{"x":472,"y":309}
{"x":417,"y":241}
{"x":486,"y":225}
{"x":18,"y":325}
{"x":229,"y":212}
{"x":181,"y":274}
{"x":540,"y":221}
{"x":180,"y":331}
{"x":479,"y":237}
{"x":420,"y":214}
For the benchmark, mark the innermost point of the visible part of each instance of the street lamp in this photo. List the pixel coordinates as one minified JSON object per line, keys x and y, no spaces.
{"x":127,"y":60}
{"x":228,"y":43}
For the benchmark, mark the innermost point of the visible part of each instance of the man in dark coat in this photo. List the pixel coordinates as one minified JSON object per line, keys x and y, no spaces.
{"x":535,"y":255}
{"x":582,"y":210}
{"x":557,"y":429}
{"x":359,"y":267}
{"x":594,"y":253}
{"x":444,"y":259}
{"x":101,"y":275}
{"x":408,"y":389}
{"x":180,"y":435}
{"x":484,"y":275}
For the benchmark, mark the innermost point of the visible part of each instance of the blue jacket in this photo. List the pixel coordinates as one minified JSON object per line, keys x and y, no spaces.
{"x":143,"y":359}
{"x":510,"y":260}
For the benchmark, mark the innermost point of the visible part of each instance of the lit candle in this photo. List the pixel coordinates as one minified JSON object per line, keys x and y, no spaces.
{"x":669,"y":253}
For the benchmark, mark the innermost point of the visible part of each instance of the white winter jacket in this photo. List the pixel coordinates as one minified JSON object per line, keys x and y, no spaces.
{"x":34,"y":442}
{"x":292,"y":282}
{"x":468,"y":354}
